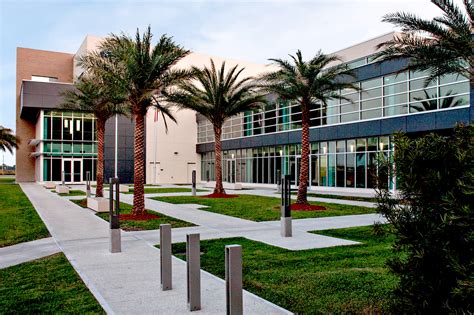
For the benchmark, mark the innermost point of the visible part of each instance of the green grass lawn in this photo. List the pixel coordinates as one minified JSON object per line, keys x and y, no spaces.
{"x":165,"y":190}
{"x":368,"y":199}
{"x":258,"y":208}
{"x":19,"y":221}
{"x":72,"y":193}
{"x":131,"y":225}
{"x":45,"y":286}
{"x":7,"y":180}
{"x":344,"y":279}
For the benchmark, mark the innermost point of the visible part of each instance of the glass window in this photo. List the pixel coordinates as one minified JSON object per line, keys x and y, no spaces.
{"x":453,"y":89}
{"x":376,"y":103}
{"x":361,"y":145}
{"x":340,"y":169}
{"x":47,"y":147}
{"x":323,"y":170}
{"x":423,"y":95}
{"x":332,"y":112}
{"x":341,"y":146}
{"x":418,"y":74}
{"x":395,"y":110}
{"x":46,"y":170}
{"x":350,"y":170}
{"x":360,"y":169}
{"x":395,"y":99}
{"x":372,"y":144}
{"x":395,"y":78}
{"x":56,"y":147}
{"x":395,"y":88}
{"x":420,"y":84}
{"x":374,"y":113}
{"x":450,"y":78}
{"x":57,"y":128}
{"x":371,"y":83}
{"x":77,"y":133}
{"x":371,"y":93}
{"x":67,"y":148}
{"x":351,"y":145}
{"x":68,"y":128}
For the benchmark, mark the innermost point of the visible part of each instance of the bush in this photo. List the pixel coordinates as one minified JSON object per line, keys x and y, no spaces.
{"x":432,"y":218}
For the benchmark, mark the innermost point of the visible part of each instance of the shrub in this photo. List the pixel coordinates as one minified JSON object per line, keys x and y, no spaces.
{"x":432,"y":218}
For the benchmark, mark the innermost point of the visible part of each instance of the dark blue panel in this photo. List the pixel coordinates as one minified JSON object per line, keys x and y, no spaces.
{"x":281,"y":138}
{"x":314,"y":134}
{"x":294,"y":136}
{"x":421,"y":122}
{"x":328,"y":133}
{"x":268,"y":140}
{"x":367,"y":72}
{"x":348,"y":131}
{"x":369,"y":128}
{"x":449,"y":118}
{"x":392,"y":66}
{"x":392,"y":125}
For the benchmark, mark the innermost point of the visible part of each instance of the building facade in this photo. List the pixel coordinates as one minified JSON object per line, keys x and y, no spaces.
{"x":347,"y":137}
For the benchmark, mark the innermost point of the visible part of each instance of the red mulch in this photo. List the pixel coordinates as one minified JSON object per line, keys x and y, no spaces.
{"x":144,"y":217}
{"x":219,"y":196}
{"x":307,"y":207}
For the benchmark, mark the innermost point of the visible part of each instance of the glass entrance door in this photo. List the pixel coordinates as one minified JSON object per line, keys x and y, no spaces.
{"x":230,"y":171}
{"x":72,"y":170}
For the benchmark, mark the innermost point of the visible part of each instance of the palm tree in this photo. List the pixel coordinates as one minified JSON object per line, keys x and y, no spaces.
{"x":429,"y":102}
{"x":95,"y":96}
{"x":8,"y":141}
{"x":441,"y":46}
{"x":144,"y":70}
{"x":311,"y":84}
{"x":217,"y":94}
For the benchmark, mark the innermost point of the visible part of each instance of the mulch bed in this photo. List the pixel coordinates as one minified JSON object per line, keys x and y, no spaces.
{"x":307,"y":207}
{"x":219,"y":196}
{"x":144,"y":217}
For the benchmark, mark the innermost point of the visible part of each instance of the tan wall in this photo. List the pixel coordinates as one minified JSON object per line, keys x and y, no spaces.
{"x":43,"y":63}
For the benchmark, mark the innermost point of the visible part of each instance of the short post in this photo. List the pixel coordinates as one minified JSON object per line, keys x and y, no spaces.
{"x":88,"y":183}
{"x":285,"y":220}
{"x":62,"y":178}
{"x":114,"y":212}
{"x":193,"y":266}
{"x":233,"y":279}
{"x":194,"y":182}
{"x":165,"y":257}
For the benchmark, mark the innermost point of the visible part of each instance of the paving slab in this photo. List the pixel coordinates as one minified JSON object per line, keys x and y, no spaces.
{"x":27,"y":251}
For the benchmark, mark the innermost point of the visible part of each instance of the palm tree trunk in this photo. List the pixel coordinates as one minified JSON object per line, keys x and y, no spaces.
{"x":100,"y":158}
{"x":219,"y":189}
{"x":304,"y":161}
{"x":139,"y":172}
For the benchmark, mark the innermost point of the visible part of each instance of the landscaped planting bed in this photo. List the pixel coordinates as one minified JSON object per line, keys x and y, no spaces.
{"x":151,"y":221}
{"x":344,"y":279}
{"x":259,"y":208}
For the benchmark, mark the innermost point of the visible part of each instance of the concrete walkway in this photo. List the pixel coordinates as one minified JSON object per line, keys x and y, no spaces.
{"x":126,"y":282}
{"x":27,"y":251}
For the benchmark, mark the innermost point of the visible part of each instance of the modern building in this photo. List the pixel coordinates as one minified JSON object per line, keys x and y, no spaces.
{"x":259,"y":146}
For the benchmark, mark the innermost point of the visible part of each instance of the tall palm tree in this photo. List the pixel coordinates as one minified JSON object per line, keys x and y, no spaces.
{"x":104,"y":100}
{"x":144,"y":70}
{"x":8,"y":141}
{"x":217,"y":94}
{"x":311,"y":84}
{"x":441,"y":46}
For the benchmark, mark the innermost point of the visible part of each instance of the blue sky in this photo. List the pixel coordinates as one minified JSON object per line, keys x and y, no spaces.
{"x":246,"y":30}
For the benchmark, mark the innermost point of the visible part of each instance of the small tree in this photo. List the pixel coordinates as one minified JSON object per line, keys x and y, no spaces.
{"x":217,"y":94}
{"x":8,"y":141}
{"x":433,"y":220}
{"x":311,"y":84}
{"x":104,"y":100}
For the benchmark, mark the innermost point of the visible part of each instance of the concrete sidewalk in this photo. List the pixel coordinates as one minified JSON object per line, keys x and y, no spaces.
{"x":27,"y":251}
{"x":126,"y":282}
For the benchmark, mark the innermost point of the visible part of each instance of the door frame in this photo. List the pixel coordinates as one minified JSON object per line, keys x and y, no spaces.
{"x":72,"y":160}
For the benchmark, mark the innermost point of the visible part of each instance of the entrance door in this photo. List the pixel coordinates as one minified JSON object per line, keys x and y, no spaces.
{"x":295,"y":170}
{"x":72,"y":169}
{"x":230,"y":171}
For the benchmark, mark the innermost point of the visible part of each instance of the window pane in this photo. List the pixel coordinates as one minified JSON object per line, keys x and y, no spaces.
{"x":371,"y":83}
{"x":371,"y":93}
{"x":396,"y":99}
{"x":395,"y":110}
{"x":57,"y":128}
{"x":374,"y":113}
{"x":395,"y":78}
{"x":450,"y":78}
{"x":454,"y":89}
{"x":395,"y":88}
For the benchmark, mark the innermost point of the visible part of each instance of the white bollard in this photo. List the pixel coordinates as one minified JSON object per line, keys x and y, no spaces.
{"x":165,"y":257}
{"x":193,"y":266}
{"x":233,"y":279}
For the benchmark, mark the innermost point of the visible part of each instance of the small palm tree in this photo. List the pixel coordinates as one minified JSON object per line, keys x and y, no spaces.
{"x":429,"y":102}
{"x":94,"y":95}
{"x":144,"y":70}
{"x":441,"y":46}
{"x":311,"y":84}
{"x":8,"y":141}
{"x":217,"y":94}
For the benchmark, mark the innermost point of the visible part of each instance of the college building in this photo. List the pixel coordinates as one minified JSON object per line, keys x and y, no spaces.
{"x":259,"y":146}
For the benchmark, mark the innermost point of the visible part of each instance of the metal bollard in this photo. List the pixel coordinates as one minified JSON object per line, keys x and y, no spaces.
{"x":285,"y":220}
{"x":194,"y":182}
{"x":233,"y":279}
{"x":114,"y":213}
{"x":165,"y":257}
{"x":88,"y":183}
{"x":193,"y":266}
{"x":62,"y":178}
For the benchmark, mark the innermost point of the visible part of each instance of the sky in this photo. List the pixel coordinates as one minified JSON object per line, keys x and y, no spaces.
{"x":245,"y":30}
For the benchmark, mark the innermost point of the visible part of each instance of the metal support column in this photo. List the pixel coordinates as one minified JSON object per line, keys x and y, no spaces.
{"x":165,"y":257}
{"x":194,"y":182}
{"x":233,"y":279}
{"x":114,"y":213}
{"x":193,"y":266}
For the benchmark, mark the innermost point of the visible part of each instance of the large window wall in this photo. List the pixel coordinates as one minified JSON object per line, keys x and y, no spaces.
{"x":348,"y":163}
{"x":392,"y":95}
{"x":69,"y":136}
